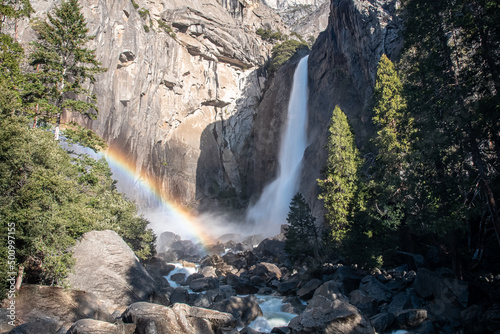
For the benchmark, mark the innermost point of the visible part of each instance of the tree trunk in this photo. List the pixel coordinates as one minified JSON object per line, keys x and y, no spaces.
{"x":19,"y":279}
{"x":58,"y":124}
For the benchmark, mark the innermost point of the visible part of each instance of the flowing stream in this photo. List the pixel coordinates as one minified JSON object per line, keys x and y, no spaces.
{"x":271,"y":210}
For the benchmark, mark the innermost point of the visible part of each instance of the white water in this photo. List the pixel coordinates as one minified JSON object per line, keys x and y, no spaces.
{"x":271,"y":210}
{"x":272,"y":308}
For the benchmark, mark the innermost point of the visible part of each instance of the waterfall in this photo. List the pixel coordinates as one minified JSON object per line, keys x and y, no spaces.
{"x":271,"y":210}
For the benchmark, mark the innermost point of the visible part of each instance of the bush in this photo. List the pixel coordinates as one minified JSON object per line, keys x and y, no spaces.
{"x":143,"y":13}
{"x":284,"y":51}
{"x":270,"y":36}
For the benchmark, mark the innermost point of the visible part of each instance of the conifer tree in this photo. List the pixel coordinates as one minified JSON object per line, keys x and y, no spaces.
{"x":339,"y":185}
{"x":301,"y":233}
{"x":64,"y":65}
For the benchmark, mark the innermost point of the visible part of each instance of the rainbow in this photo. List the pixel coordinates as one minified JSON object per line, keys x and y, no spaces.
{"x":182,"y":219}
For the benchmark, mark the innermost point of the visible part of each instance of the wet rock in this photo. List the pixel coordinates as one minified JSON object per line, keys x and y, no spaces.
{"x":249,"y":330}
{"x":181,"y":318}
{"x":382,"y":321}
{"x":366,"y":304}
{"x":306,"y":291}
{"x":178,"y":278}
{"x":158,"y":268}
{"x":411,"y":318}
{"x":281,"y":330}
{"x":293,"y":305}
{"x":165,"y":241}
{"x":90,"y":326}
{"x":106,"y":266}
{"x":192,"y":277}
{"x":244,"y":309}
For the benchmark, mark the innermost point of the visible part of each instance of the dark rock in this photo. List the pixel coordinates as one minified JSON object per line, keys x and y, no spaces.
{"x":178,"y":278}
{"x":409,"y":277}
{"x":179,"y":295}
{"x":281,"y":330}
{"x":221,"y":293}
{"x":270,"y":248}
{"x":204,"y":284}
{"x":329,"y":312}
{"x":348,"y":277}
{"x":411,"y":318}
{"x":181,"y":318}
{"x":241,"y":285}
{"x":472,"y":319}
{"x":257,"y":281}
{"x":37,"y":326}
{"x":395,"y":286}
{"x":200,"y":300}
{"x":106,"y":266}
{"x":293,"y":305}
{"x":244,"y":309}
{"x":90,"y":326}
{"x":192,"y":277}
{"x":306,"y":291}
{"x":158,"y":268}
{"x":427,"y":327}
{"x":492,"y":318}
{"x":165,"y":241}
{"x":249,"y":330}
{"x":366,"y":304}
{"x":290,"y":285}
{"x":65,"y":306}
{"x":399,"y":303}
{"x":267,"y":271}
{"x":372,"y":287}
{"x":382,"y":321}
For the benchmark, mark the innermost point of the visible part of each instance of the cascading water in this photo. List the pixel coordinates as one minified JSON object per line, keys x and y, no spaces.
{"x":271,"y":209}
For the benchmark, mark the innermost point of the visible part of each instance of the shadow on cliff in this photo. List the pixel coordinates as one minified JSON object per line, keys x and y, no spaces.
{"x":230,"y":175}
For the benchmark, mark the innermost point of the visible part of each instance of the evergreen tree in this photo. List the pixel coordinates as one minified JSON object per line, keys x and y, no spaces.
{"x":64,"y":65}
{"x":301,"y":233}
{"x":340,"y":182}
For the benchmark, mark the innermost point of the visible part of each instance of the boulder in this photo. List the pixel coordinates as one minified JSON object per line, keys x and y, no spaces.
{"x":244,"y":309}
{"x":375,"y":289}
{"x":290,"y":285}
{"x":204,"y":284}
{"x":181,"y":318}
{"x":178,"y":278}
{"x":365,"y":304}
{"x":399,"y":303}
{"x":179,"y":295}
{"x":37,"y":326}
{"x":270,"y":248}
{"x":411,"y":318}
{"x":158,"y":268}
{"x":192,"y":277}
{"x":90,"y":326}
{"x":241,"y":285}
{"x":265,"y":270}
{"x":382,"y":321}
{"x":106,"y":266}
{"x":62,"y":306}
{"x":348,"y":277}
{"x":306,"y":291}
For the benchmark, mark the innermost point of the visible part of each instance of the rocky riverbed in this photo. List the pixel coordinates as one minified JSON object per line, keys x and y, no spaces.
{"x":223,"y":289}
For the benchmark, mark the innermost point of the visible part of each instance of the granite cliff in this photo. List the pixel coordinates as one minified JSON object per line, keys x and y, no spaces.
{"x":187,"y":99}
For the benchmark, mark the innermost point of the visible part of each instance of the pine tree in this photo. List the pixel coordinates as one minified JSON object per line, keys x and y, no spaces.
{"x":64,"y":65}
{"x":339,"y":185}
{"x":301,"y":233}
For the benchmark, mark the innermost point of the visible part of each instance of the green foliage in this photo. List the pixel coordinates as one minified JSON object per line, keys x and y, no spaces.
{"x":143,"y":13}
{"x":284,"y":51}
{"x":301,"y":233}
{"x":340,"y":177}
{"x":270,"y":35}
{"x":135,"y":4}
{"x":146,"y":28}
{"x":53,"y":199}
{"x":167,"y":28}
{"x":11,"y":78}
{"x":63,"y":66}
{"x":14,"y":9}
{"x":77,"y":134}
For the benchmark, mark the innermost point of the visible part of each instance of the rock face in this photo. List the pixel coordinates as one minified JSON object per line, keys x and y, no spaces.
{"x":63,"y":306}
{"x":106,"y":266}
{"x":343,"y":64}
